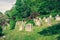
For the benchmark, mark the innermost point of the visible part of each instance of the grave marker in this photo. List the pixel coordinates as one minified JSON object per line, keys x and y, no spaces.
{"x":22,"y":25}
{"x":37,"y":21}
{"x":57,"y":18}
{"x":28,"y":27}
{"x":48,"y":21}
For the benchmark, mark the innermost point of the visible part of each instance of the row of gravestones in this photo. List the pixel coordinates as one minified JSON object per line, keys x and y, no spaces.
{"x":21,"y":25}
{"x":38,"y":21}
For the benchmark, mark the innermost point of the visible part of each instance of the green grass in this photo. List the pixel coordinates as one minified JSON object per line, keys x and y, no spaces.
{"x":23,"y":35}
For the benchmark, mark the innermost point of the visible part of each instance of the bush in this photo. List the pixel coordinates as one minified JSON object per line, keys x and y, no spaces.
{"x":12,"y":24}
{"x":31,"y":21}
{"x":52,"y":30}
{"x":0,"y":31}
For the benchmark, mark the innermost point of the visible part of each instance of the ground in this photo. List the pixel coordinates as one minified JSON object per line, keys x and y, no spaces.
{"x":15,"y":34}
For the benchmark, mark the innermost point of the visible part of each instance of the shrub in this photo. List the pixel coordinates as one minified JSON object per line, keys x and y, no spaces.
{"x":12,"y":24}
{"x":0,"y":31}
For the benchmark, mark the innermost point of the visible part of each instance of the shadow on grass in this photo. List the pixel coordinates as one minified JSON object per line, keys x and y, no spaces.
{"x":52,"y":30}
{"x":1,"y":35}
{"x":58,"y":38}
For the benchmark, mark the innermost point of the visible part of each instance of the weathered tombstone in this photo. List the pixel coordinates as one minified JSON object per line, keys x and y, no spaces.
{"x":44,"y":18}
{"x":50,"y":16}
{"x":28,"y":27}
{"x":57,"y":18}
{"x":38,"y":21}
{"x":48,"y":21}
{"x":7,"y":26}
{"x":22,"y":25}
{"x":18,"y":23}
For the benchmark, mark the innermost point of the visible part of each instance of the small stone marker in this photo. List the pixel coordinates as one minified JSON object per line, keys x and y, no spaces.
{"x":50,"y":16}
{"x":57,"y":18}
{"x":28,"y":27}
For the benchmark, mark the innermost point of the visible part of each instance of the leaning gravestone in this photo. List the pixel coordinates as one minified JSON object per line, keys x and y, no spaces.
{"x":28,"y":27}
{"x":57,"y":18}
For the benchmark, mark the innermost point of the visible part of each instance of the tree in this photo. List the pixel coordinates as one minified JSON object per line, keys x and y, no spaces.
{"x":11,"y":16}
{"x":24,"y":9}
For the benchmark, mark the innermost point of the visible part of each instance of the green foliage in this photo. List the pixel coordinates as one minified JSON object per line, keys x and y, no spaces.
{"x":52,"y":30}
{"x":42,"y":7}
{"x":32,"y":8}
{"x":30,"y":21}
{"x":58,"y":38}
{"x":2,"y":19}
{"x":0,"y":31}
{"x":12,"y":24}
{"x":25,"y":8}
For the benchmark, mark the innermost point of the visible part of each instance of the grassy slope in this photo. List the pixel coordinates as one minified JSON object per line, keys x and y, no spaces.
{"x":17,"y":35}
{"x":23,"y":35}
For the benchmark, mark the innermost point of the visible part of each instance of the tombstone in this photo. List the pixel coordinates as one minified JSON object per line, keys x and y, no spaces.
{"x":22,"y":25}
{"x":50,"y":16}
{"x":48,"y":21}
{"x":21,"y":28}
{"x":57,"y":18}
{"x":37,"y":21}
{"x":18,"y":23}
{"x":44,"y":18}
{"x":40,"y":19}
{"x":7,"y":26}
{"x":28,"y":27}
